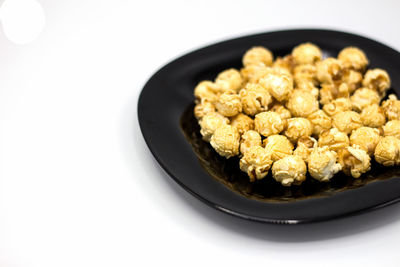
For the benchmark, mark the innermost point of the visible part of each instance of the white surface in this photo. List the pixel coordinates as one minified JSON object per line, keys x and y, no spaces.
{"x":79,"y":186}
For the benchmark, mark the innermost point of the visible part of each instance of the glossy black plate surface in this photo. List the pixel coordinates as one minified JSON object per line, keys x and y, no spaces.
{"x":165,"y":111}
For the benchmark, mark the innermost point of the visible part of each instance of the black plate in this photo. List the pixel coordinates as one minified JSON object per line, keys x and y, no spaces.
{"x":165,"y":111}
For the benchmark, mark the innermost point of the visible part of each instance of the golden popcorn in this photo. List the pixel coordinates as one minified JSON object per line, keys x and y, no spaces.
{"x":373,"y":116}
{"x":282,"y":111}
{"x":256,"y":162}
{"x":320,"y":121}
{"x":254,"y":99}
{"x":365,"y":138}
{"x":225,"y":141}
{"x":253,"y":73}
{"x":228,"y":104}
{"x":209,"y":123}
{"x":268,"y":123}
{"x":308,"y":86}
{"x":392,"y":108}
{"x":337,"y":106}
{"x":329,"y":70}
{"x":298,"y":127}
{"x":289,"y":170}
{"x":229,"y":80}
{"x":306,"y":53}
{"x":305,"y":73}
{"x":203,"y":108}
{"x":278,"y":146}
{"x":392,"y":128}
{"x":242,"y":123}
{"x":347,"y":121}
{"x":364,"y":97}
{"x":205,"y":90}
{"x":353,"y":58}
{"x":354,"y":161}
{"x":279,"y":86}
{"x":258,"y":55}
{"x":322,"y":164}
{"x":249,"y":139}
{"x":305,"y":145}
{"x":353,"y":79}
{"x":333,"y":139}
{"x":302,"y":103}
{"x":330,"y":92}
{"x":377,"y":79}
{"x":387,"y":152}
{"x":286,"y":62}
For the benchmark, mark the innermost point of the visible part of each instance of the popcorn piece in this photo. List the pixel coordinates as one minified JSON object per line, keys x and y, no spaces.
{"x":373,"y":116}
{"x":387,"y":152}
{"x":305,"y":145}
{"x":353,"y":79}
{"x":279,"y":86}
{"x":392,"y":128}
{"x":249,"y":139}
{"x":322,"y":164}
{"x":254,"y":99}
{"x":258,"y":55}
{"x":377,"y":79}
{"x":392,"y":108}
{"x":298,"y":127}
{"x":337,"y":106}
{"x":287,"y":62}
{"x":329,"y":70}
{"x":354,"y":161}
{"x":268,"y":123}
{"x":302,"y":103}
{"x":209,"y":123}
{"x":347,"y":121}
{"x":364,"y":97}
{"x":228,"y":104}
{"x":353,"y":58}
{"x":320,"y":121}
{"x":365,"y":138}
{"x":225,"y":141}
{"x":253,"y":73}
{"x":203,"y":108}
{"x":229,"y":80}
{"x":306,"y":53}
{"x":242,"y":123}
{"x":289,"y":170}
{"x":256,"y":162}
{"x":333,"y":139}
{"x":330,"y":92}
{"x":282,"y":111}
{"x":205,"y":90}
{"x":305,"y":73}
{"x":278,"y":146}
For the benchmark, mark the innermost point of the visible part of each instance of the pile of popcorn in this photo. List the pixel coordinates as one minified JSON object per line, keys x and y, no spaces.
{"x":301,"y":112}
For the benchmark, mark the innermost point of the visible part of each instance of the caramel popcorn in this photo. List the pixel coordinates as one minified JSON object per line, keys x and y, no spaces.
{"x":258,"y":55}
{"x":302,"y":103}
{"x":249,"y":139}
{"x":229,"y":80}
{"x":253,"y":73}
{"x":320,"y":121}
{"x":373,"y":116}
{"x":242,"y":123}
{"x":305,"y":145}
{"x":203,"y":108}
{"x":330,"y":92}
{"x":353,"y":58}
{"x":322,"y":164}
{"x":377,"y":79}
{"x":278,"y":146}
{"x":392,"y":128}
{"x":364,"y":97}
{"x":205,"y":90}
{"x":305,"y":73}
{"x":347,"y":121}
{"x":337,"y":106}
{"x":282,"y":111}
{"x":352,"y":79}
{"x":254,"y":99}
{"x":289,"y":170}
{"x":333,"y":139}
{"x":268,"y":123}
{"x":279,"y":86}
{"x":365,"y":138}
{"x":354,"y":161}
{"x":329,"y":70}
{"x":256,"y":162}
{"x":298,"y":127}
{"x":306,"y":53}
{"x":387,"y":152}
{"x":392,"y":108}
{"x":287,"y":62}
{"x":209,"y":123}
{"x":228,"y":104}
{"x":225,"y":141}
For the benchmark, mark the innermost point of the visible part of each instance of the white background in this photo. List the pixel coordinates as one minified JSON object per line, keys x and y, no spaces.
{"x":78,"y":186}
